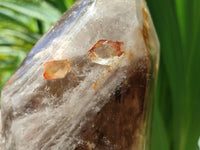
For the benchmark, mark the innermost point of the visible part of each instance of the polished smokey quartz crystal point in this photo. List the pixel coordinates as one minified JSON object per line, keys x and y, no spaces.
{"x":87,"y":84}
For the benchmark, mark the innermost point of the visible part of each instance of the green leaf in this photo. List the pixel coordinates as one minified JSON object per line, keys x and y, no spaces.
{"x":69,"y":3}
{"x":24,"y":36}
{"x":44,"y":11}
{"x":160,"y":142}
{"x":177,"y":23}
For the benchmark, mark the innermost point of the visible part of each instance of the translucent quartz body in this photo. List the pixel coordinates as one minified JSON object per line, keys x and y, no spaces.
{"x":94,"y":96}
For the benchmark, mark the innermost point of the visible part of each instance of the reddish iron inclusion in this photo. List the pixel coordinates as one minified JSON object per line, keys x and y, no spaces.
{"x":102,"y":49}
{"x":56,"y":69}
{"x":111,"y":48}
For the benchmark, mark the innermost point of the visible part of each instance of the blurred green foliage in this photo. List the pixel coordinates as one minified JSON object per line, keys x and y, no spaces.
{"x":176,"y":120}
{"x":176,"y":123}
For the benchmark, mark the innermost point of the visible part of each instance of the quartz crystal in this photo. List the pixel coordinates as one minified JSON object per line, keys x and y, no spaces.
{"x":88,"y":84}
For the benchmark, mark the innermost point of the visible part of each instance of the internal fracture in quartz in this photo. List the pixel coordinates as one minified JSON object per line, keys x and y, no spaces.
{"x":85,"y":84}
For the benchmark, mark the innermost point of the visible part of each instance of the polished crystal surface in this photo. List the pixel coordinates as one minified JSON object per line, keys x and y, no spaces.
{"x":86,"y":84}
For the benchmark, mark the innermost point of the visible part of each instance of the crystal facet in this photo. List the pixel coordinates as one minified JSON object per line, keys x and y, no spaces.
{"x":87,"y":84}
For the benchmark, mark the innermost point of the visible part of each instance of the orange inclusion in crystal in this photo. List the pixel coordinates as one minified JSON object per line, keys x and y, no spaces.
{"x":56,"y":69}
{"x":115,"y":45}
{"x":112,"y":48}
{"x":74,"y":76}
